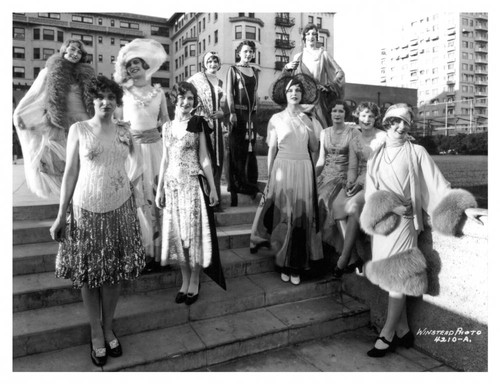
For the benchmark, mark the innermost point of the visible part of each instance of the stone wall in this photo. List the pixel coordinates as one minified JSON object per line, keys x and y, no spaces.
{"x":456,"y":302}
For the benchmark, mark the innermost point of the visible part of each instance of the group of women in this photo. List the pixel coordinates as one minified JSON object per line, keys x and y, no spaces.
{"x":132,"y":198}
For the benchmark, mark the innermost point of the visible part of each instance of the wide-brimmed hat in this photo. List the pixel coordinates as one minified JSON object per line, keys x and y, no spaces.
{"x":210,"y":54}
{"x":400,"y":110}
{"x":280,"y":86}
{"x":149,"y":50}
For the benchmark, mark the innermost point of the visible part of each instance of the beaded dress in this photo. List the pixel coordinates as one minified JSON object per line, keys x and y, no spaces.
{"x":103,"y":243}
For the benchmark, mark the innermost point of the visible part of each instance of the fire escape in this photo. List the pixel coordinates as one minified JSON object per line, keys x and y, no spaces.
{"x":283,"y":46}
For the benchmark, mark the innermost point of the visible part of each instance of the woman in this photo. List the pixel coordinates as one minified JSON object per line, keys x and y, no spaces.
{"x":59,"y":97}
{"x":402,"y":181}
{"x":331,"y":170}
{"x":102,"y":245}
{"x":211,"y":95}
{"x":145,"y":107}
{"x":360,"y":149}
{"x":189,"y":236}
{"x":315,"y":61}
{"x":241,"y":92}
{"x":287,"y":216}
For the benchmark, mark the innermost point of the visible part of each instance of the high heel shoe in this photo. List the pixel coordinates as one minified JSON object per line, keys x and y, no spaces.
{"x":358,"y":264}
{"x":180,"y":297}
{"x":255,"y":248}
{"x":407,"y":340}
{"x":338,"y":272}
{"x":376,"y":352}
{"x":114,"y":348}
{"x":190,"y":298}
{"x":98,"y":356}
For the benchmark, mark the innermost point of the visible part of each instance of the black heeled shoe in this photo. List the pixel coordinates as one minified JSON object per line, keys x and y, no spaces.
{"x":190,"y":298}
{"x":256,"y":247}
{"x":114,"y":348}
{"x":375,"y":352}
{"x":234,"y":199}
{"x":358,"y":264}
{"x":407,"y":340}
{"x":180,"y":297}
{"x":98,"y":356}
{"x":338,"y":272}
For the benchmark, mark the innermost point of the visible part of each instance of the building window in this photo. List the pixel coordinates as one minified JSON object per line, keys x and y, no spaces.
{"x":112,"y":23}
{"x":164,"y":83}
{"x":60,"y":36}
{"x":192,"y":69}
{"x":87,"y":39}
{"x":99,"y":21}
{"x":18,"y":53}
{"x":203,"y":23}
{"x":192,"y":50}
{"x":283,"y":36}
{"x":176,"y":65}
{"x":18,"y":33}
{"x":126,"y":24}
{"x":99,"y":39}
{"x":83,"y":19}
{"x":112,"y":59}
{"x":241,"y":14}
{"x":216,"y":15}
{"x":47,"y":52}
{"x":319,"y":22}
{"x":90,"y":58}
{"x":252,"y":15}
{"x":36,"y":53}
{"x":310,"y":19}
{"x":238,"y":32}
{"x":18,"y":72}
{"x":124,"y":42}
{"x":199,"y":26}
{"x":204,"y":46}
{"x":112,"y":41}
{"x":176,"y":46}
{"x":186,"y":50}
{"x":186,"y":69}
{"x":100,"y":58}
{"x":167,"y":48}
{"x":282,"y":58}
{"x":209,"y":36}
{"x":165,"y":66}
{"x":48,"y":34}
{"x":216,"y":37}
{"x":50,"y":15}
{"x":199,"y":47}
{"x":250,"y":32}
{"x":36,"y":71}
{"x":159,"y":31}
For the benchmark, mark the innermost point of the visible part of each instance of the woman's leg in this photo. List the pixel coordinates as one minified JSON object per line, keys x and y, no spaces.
{"x":403,"y":326}
{"x":92,"y":303}
{"x":110,"y":295}
{"x":395,"y":309}
{"x":186,"y":276}
{"x":194,"y":280}
{"x":349,"y":232}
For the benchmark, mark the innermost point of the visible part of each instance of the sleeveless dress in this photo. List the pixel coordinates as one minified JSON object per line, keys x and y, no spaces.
{"x":286,"y":216}
{"x":185,"y":219}
{"x":102,"y":243}
{"x":332,"y":181}
{"x":142,"y":113}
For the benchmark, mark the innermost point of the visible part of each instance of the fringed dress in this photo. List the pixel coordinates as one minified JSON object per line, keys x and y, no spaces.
{"x":332,"y":182}
{"x":186,"y":224}
{"x":103,"y":241}
{"x":287,"y":214}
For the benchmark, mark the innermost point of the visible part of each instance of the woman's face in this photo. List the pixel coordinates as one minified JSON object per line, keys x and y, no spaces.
{"x":212,"y":65}
{"x":185,"y":102}
{"x":294,"y":95}
{"x":311,"y":37}
{"x":246,"y":54}
{"x":397,"y":128}
{"x":134,"y":68}
{"x":338,"y":114}
{"x":73,"y":53}
{"x":366,"y":119}
{"x":105,"y":103}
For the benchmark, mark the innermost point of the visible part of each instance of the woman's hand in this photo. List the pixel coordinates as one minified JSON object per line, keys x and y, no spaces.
{"x":214,"y":199}
{"x":57,"y":230}
{"x":404,"y":210}
{"x":232,"y":118}
{"x":160,"y":198}
{"x":292,"y":66}
{"x":352,"y":189}
{"x":217,"y":115}
{"x":475,"y":213}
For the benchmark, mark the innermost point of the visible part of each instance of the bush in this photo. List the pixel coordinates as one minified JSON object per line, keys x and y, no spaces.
{"x":472,"y":144}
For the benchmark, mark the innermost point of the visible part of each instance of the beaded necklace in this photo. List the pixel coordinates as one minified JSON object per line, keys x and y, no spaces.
{"x":144,"y":100}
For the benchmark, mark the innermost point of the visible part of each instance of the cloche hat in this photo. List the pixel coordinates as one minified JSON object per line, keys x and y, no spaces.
{"x":400,"y":110}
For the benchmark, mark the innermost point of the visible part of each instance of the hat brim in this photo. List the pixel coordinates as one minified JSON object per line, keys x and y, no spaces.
{"x":310,"y":89}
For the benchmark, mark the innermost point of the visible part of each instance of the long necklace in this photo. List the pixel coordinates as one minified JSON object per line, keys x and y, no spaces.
{"x":387,"y":158}
{"x":143,"y":100}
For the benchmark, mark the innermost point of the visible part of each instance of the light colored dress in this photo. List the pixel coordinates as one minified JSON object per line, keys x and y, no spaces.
{"x":185,"y":217}
{"x":142,"y":111}
{"x":287,"y":214}
{"x":332,"y":181}
{"x":103,"y":242}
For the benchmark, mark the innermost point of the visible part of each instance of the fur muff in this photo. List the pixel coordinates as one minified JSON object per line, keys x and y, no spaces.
{"x":61,"y":74}
{"x":404,"y":272}
{"x":377,"y":217}
{"x":448,"y":213}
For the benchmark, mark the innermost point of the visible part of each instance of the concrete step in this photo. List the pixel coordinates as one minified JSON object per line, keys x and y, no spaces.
{"x":203,"y":342}
{"x":235,"y":216}
{"x":62,"y":326}
{"x":40,"y":290}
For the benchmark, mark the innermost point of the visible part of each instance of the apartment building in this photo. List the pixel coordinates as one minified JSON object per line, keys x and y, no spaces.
{"x":445,"y":57}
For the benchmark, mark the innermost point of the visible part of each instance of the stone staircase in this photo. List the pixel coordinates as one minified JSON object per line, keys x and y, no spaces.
{"x":258,"y":312}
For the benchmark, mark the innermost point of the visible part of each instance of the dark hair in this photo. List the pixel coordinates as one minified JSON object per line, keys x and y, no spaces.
{"x":180,"y":89}
{"x":250,"y":43}
{"x":347,"y":108}
{"x":307,"y":28}
{"x":102,"y":83}
{"x":81,"y":45}
{"x":296,"y":81}
{"x":144,"y":64}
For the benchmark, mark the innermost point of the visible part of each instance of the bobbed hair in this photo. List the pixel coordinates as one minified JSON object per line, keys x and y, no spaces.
{"x":250,"y":43}
{"x":102,"y":84}
{"x":180,"y":89}
{"x":307,"y":28}
{"x":80,"y":44}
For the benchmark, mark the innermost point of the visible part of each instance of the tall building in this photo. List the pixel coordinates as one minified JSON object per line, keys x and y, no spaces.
{"x":277,"y":37}
{"x":445,"y":57}
{"x":36,"y":36}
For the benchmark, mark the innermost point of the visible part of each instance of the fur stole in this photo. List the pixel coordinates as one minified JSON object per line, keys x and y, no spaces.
{"x":377,"y":217}
{"x":448,"y":214}
{"x":404,"y":272}
{"x":61,"y":75}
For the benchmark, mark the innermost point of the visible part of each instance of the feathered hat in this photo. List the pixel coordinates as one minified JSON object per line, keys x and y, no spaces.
{"x":149,"y":50}
{"x":280,"y":87}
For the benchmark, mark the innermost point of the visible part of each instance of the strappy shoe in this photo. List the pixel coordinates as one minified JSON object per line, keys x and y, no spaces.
{"x":98,"y":355}
{"x":407,"y":340}
{"x":376,"y":352}
{"x":114,"y":348}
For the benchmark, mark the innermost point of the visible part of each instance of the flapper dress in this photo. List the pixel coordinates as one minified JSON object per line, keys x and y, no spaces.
{"x":332,"y":198}
{"x":242,"y":170}
{"x":103,"y":242}
{"x":142,"y":111}
{"x":287,"y":213}
{"x":186,"y":223}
